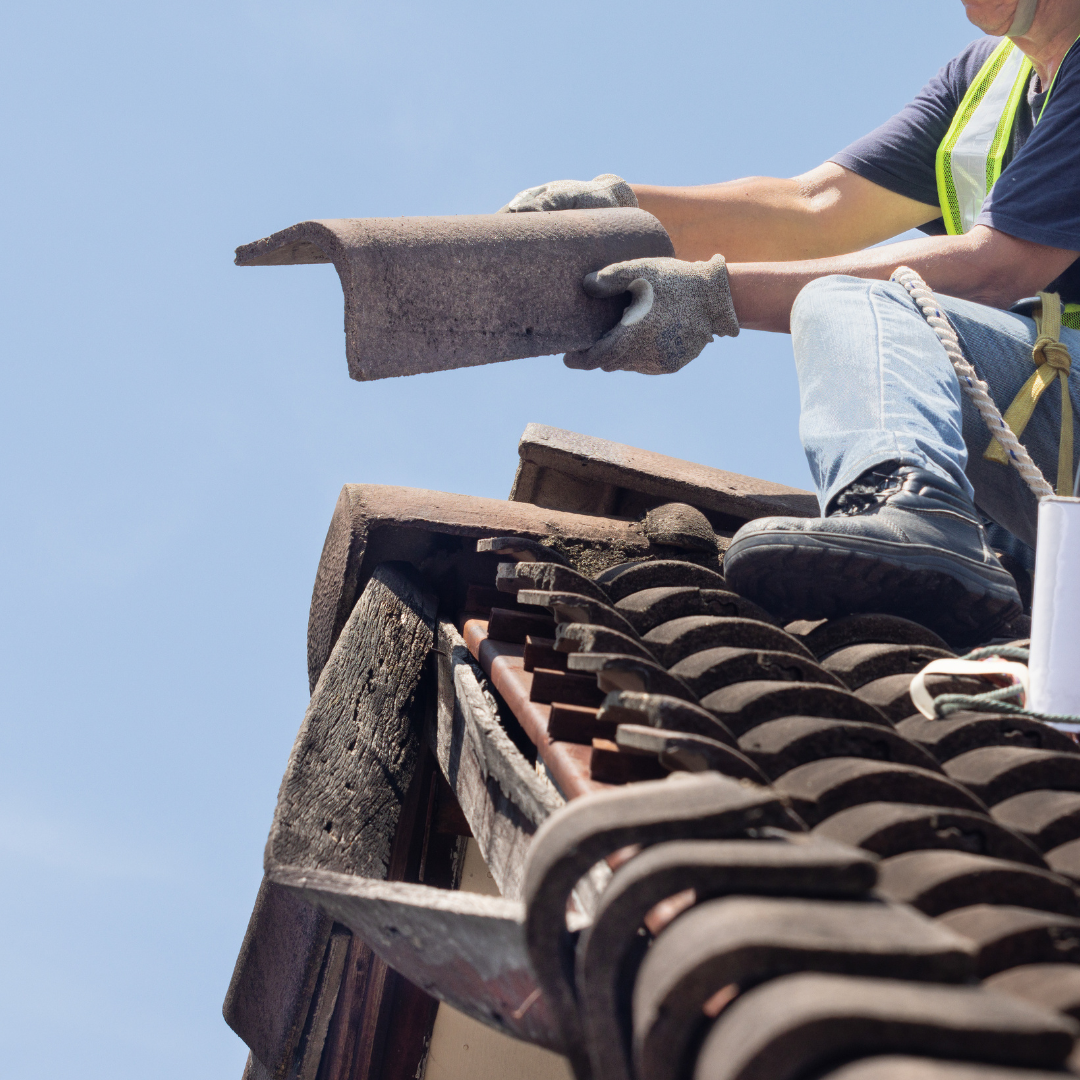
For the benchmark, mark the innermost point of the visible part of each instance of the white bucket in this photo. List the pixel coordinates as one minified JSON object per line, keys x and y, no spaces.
{"x":1055,"y":610}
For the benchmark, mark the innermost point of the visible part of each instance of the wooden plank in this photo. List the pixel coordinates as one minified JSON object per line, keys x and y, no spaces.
{"x":373,"y":523}
{"x":563,"y":470}
{"x":449,"y":817}
{"x":255,"y":1069}
{"x":302,"y":1062}
{"x":382,"y":1022}
{"x":357,"y":747}
{"x":352,"y":1041}
{"x":338,"y":807}
{"x":463,"y":948}
{"x":500,"y":793}
{"x":324,"y":1000}
{"x":267,"y":1003}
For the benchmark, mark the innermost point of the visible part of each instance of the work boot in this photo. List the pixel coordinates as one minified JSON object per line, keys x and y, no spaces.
{"x":900,"y":541}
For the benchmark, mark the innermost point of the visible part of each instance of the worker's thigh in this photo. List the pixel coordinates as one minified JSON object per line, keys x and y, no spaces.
{"x":998,"y":344}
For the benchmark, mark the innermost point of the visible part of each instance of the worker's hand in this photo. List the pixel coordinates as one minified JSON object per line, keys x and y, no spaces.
{"x":607,"y":191}
{"x":677,"y":307}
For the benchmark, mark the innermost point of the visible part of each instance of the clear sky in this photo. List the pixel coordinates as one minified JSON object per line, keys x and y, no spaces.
{"x":175,"y":430}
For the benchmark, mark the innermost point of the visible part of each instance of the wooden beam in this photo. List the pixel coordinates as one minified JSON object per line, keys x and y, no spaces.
{"x":338,"y":808}
{"x":382,"y":1022}
{"x":267,"y":1003}
{"x":357,"y":746}
{"x":463,"y":948}
{"x":500,"y":793}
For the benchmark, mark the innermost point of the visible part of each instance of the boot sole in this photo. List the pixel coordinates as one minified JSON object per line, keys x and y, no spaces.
{"x":962,"y":601}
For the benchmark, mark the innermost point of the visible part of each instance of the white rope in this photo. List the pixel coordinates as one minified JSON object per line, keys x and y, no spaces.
{"x":973,"y":386}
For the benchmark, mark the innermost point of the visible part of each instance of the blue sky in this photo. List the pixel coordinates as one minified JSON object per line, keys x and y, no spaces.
{"x":175,"y":430}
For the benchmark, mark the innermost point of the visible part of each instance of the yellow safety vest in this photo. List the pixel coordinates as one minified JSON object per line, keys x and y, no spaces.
{"x":970,"y":156}
{"x":969,"y":162}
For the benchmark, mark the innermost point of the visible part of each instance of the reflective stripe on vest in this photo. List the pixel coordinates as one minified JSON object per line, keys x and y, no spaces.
{"x":970,"y":156}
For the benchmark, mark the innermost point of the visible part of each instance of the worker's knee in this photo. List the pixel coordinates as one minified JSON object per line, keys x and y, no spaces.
{"x":823,"y":299}
{"x":837,"y":302}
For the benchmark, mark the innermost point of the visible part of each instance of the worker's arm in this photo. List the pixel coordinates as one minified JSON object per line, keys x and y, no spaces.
{"x":984,"y":265}
{"x":777,"y":235}
{"x":827,"y":211}
{"x":679,"y":304}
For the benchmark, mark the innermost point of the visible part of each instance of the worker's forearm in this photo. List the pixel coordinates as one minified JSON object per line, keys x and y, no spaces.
{"x":824,"y":212}
{"x":759,"y":218}
{"x":764,"y":292}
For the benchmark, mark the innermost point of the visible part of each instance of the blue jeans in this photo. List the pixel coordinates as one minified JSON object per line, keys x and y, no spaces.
{"x":876,"y":386}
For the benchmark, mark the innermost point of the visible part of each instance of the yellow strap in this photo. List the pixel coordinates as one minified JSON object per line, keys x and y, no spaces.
{"x":1052,"y":361}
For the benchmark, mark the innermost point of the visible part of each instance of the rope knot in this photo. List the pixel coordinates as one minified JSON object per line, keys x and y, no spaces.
{"x":1050,"y":355}
{"x":1047,"y":350}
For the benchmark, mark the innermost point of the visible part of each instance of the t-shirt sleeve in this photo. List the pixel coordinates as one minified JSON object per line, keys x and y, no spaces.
{"x":900,"y":155}
{"x":1037,"y":197}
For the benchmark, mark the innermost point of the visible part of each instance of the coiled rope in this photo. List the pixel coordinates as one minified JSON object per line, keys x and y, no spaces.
{"x":998,"y":701}
{"x":972,"y":385}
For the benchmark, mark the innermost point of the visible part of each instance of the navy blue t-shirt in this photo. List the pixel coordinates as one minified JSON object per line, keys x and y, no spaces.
{"x":1038,"y":194}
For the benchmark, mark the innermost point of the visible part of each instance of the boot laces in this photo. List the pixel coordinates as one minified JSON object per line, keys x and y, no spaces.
{"x":871,"y":490}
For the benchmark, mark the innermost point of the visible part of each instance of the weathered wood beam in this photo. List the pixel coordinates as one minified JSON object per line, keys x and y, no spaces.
{"x":356,"y":749}
{"x":339,"y":804}
{"x":282,"y":955}
{"x":463,"y":948}
{"x":382,"y":1022}
{"x":255,"y":1069}
{"x":500,"y":793}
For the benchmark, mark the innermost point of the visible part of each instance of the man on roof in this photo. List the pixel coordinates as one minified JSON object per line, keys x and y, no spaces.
{"x":986,"y":162}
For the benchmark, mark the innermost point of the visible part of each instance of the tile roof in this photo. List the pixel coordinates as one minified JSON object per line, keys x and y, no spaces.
{"x":726,"y":847}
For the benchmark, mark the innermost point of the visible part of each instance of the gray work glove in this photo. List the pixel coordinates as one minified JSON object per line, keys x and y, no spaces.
{"x":677,"y":307}
{"x":607,"y":191}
